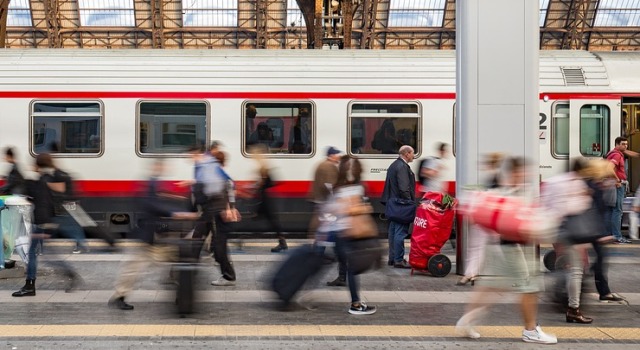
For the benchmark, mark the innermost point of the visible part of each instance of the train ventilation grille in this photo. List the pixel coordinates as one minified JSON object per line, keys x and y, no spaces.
{"x":573,"y":76}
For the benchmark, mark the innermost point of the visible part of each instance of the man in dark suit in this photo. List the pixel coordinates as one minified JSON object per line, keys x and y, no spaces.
{"x":400,"y":183}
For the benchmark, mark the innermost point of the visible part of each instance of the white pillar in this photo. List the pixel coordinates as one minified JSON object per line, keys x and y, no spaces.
{"x":496,"y":88}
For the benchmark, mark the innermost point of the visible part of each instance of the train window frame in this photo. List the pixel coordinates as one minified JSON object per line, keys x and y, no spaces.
{"x":243,"y":128}
{"x":419,"y":130}
{"x":553,"y":127}
{"x":208,"y":128}
{"x":606,"y":132}
{"x":101,"y":119}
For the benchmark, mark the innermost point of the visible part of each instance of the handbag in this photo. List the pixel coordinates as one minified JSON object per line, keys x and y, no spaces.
{"x":360,"y":223}
{"x":361,"y":226}
{"x":400,"y":210}
{"x":585,"y":227}
{"x":364,"y":255}
{"x":230,"y":214}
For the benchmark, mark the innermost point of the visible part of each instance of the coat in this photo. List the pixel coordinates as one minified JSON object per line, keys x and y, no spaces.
{"x":400,"y":182}
{"x":326,"y":173}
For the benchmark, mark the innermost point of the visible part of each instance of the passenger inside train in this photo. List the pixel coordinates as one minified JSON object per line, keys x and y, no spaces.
{"x":300,"y":134}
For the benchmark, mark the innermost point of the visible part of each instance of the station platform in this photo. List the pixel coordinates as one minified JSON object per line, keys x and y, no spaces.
{"x":414,"y":311}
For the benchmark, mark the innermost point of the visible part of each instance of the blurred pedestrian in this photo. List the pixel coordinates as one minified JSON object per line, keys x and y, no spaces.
{"x":508,"y":266}
{"x":478,"y":237}
{"x":14,"y":182}
{"x":45,"y":194}
{"x":152,"y":209}
{"x":400,"y":183}
{"x":568,"y":196}
{"x":347,"y":186}
{"x":431,"y":169}
{"x":266,"y":205}
{"x":325,"y":177}
{"x":215,"y":194}
{"x":597,"y":175}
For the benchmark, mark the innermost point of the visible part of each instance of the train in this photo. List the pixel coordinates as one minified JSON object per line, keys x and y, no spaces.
{"x":110,"y":113}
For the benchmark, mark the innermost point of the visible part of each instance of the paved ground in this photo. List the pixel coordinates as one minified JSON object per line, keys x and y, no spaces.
{"x":415,"y":312}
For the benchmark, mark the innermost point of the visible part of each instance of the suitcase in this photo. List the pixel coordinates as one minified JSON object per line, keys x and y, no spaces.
{"x":301,"y":264}
{"x":186,"y":270}
{"x":185,"y":294}
{"x":364,"y":255}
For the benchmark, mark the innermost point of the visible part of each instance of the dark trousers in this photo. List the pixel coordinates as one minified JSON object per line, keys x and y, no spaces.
{"x":220,"y":250}
{"x":342,"y":249}
{"x":600,"y":270}
{"x":211,"y":214}
{"x":201,"y":230}
{"x":267,"y":209}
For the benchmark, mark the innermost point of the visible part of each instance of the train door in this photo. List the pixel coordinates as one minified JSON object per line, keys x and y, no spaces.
{"x":631,"y":127}
{"x":593,"y":126}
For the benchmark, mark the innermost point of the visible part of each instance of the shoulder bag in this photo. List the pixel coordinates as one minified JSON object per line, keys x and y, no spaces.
{"x":585,"y":227}
{"x":400,"y":210}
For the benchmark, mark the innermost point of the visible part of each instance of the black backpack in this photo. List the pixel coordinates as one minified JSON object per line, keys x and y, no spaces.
{"x":421,"y":163}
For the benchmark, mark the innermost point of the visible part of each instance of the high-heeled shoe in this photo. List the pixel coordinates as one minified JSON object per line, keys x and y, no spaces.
{"x":466,"y":279}
{"x":574,"y":315}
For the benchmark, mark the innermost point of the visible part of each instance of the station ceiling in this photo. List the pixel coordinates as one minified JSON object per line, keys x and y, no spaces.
{"x":596,"y":25}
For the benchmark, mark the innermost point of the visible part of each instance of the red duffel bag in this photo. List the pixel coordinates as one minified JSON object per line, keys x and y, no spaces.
{"x":512,"y":217}
{"x":431,"y":229}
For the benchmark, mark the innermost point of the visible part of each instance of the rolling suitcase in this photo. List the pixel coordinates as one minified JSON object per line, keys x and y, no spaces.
{"x":186,"y":270}
{"x":185,"y":294}
{"x":301,"y":264}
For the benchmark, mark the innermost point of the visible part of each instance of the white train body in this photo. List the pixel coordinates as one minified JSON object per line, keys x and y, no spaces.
{"x":116,"y":92}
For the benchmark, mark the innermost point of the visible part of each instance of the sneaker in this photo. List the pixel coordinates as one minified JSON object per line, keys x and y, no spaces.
{"x":538,"y":336}
{"x":611,"y":298}
{"x":362,"y":309}
{"x":338,"y":282}
{"x":623,"y":241}
{"x":223,"y":282}
{"x":80,"y":250}
{"x":466,"y":330}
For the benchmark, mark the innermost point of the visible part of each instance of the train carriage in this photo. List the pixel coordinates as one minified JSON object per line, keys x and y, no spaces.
{"x":110,"y":112}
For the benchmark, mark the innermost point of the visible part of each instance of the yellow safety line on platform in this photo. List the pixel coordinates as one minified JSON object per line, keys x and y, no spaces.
{"x":392,"y":331}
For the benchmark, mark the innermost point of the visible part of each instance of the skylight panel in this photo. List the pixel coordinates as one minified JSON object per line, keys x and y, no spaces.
{"x":416,"y":13}
{"x":544,"y":6}
{"x":106,"y":13}
{"x":618,"y":13}
{"x":210,"y":13}
{"x":19,"y":14}
{"x":294,"y":15}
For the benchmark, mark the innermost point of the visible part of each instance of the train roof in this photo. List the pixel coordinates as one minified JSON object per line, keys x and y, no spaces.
{"x":289,"y":70}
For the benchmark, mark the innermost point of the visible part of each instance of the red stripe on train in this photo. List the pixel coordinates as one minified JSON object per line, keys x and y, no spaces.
{"x":227,"y":95}
{"x":283,"y":189}
{"x":283,"y":95}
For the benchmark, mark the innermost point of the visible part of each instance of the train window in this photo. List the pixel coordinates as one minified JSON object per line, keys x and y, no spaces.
{"x":280,"y":127}
{"x":560,"y":130}
{"x":67,"y":128}
{"x":171,"y":127}
{"x":381,"y":128}
{"x":594,"y":130}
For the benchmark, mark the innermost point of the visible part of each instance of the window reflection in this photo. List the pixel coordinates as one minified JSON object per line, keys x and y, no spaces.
{"x":66,"y":127}
{"x":171,"y":127}
{"x":284,"y":128}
